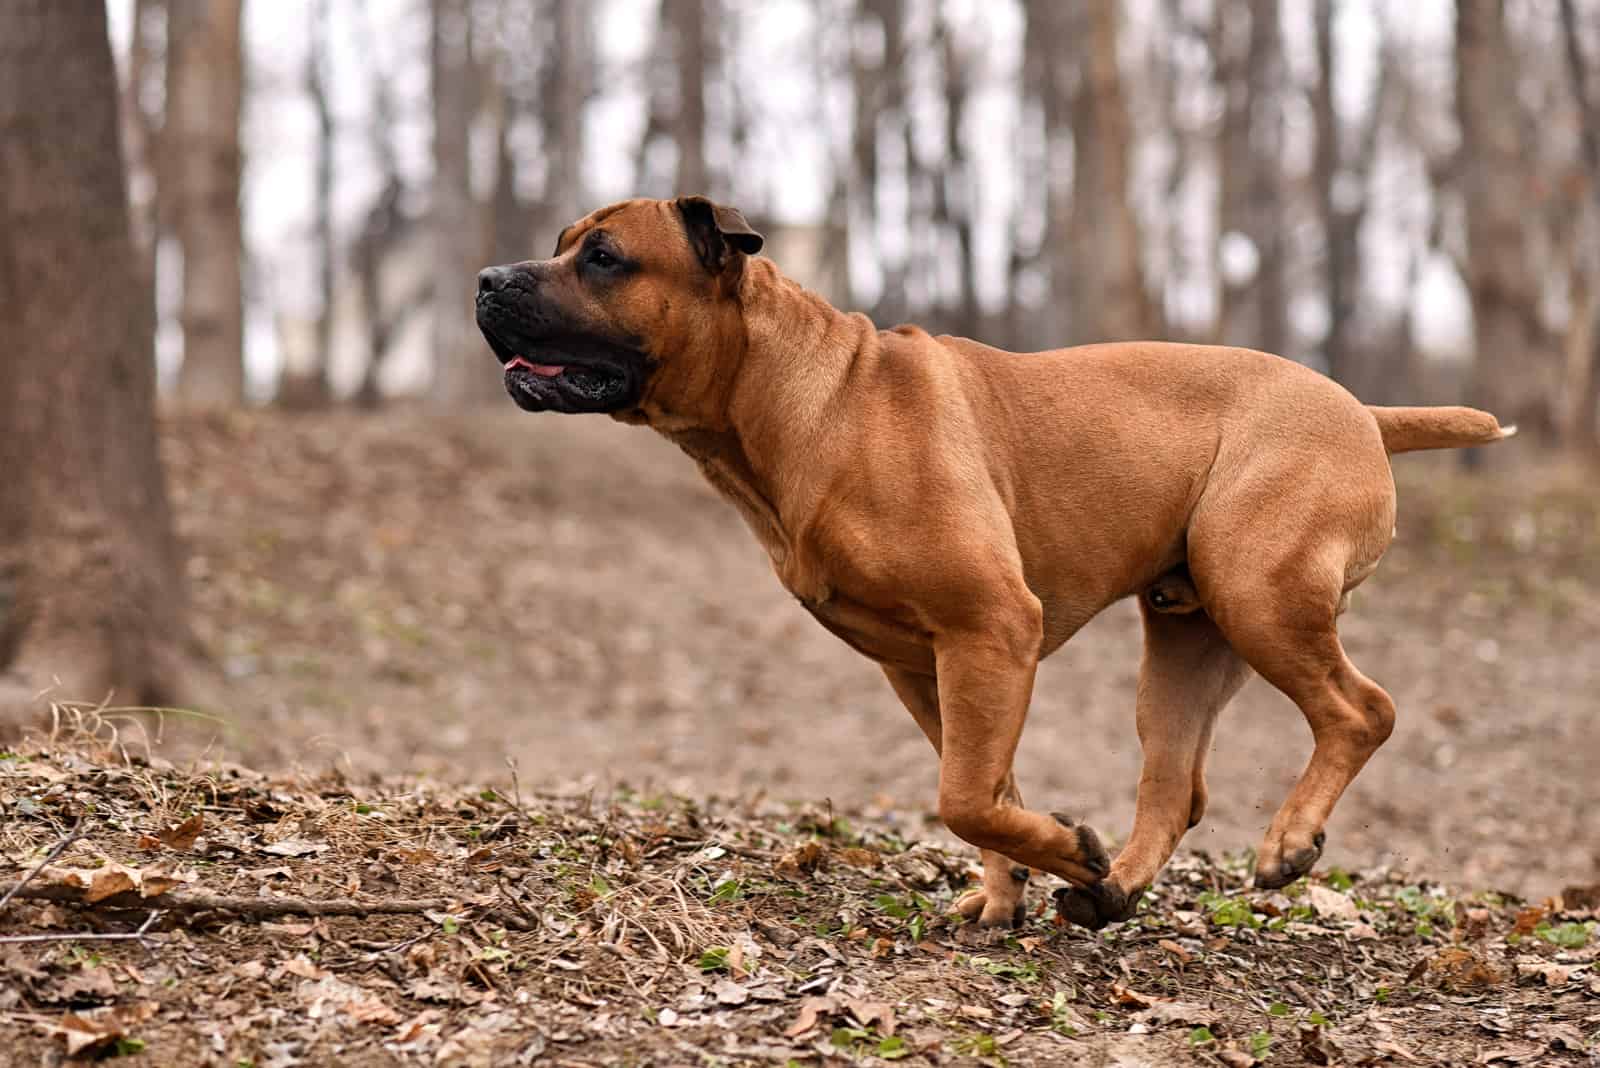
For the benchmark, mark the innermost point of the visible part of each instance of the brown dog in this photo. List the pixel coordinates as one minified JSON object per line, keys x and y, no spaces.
{"x":956,"y":512}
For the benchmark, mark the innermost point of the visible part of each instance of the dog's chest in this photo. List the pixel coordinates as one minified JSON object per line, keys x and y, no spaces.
{"x":868,"y":631}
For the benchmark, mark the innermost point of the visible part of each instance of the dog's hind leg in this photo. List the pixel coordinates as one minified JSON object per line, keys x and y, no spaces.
{"x":1279,"y":613}
{"x":998,"y":902}
{"x":1188,"y":674}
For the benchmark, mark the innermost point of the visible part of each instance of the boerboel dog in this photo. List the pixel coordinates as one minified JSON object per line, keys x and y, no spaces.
{"x":956,"y":513}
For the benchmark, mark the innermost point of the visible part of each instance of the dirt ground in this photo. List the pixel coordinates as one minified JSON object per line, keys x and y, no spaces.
{"x":404,"y":594}
{"x":222,"y":916}
{"x":560,"y":612}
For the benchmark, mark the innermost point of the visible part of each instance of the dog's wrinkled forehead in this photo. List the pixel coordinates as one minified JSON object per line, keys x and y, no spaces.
{"x":628,"y":221}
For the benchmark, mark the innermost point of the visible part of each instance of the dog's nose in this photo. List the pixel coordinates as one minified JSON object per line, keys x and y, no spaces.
{"x":493,"y":279}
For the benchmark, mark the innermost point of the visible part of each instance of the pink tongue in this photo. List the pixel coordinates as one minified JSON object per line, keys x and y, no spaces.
{"x":547,"y":370}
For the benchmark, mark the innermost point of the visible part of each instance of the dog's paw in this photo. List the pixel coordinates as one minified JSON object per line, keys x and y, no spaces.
{"x":1293,"y":864}
{"x":976,"y":905}
{"x":1095,"y":906}
{"x":1090,"y":853}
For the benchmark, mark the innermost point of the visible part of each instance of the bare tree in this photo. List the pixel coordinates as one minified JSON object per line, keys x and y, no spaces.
{"x":1513,"y":372}
{"x":143,"y":112}
{"x":694,"y":52}
{"x":954,"y":182}
{"x":1582,"y":417}
{"x":877,"y":62}
{"x":1106,"y":291}
{"x":87,"y":549}
{"x":1340,"y":172}
{"x":205,"y":86}
{"x":463,"y":374}
{"x":566,"y":95}
{"x":1248,"y":53}
{"x":306,"y":386}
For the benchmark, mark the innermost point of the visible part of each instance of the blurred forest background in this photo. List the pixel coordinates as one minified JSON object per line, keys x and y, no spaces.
{"x":256,"y":460}
{"x":1403,"y":195}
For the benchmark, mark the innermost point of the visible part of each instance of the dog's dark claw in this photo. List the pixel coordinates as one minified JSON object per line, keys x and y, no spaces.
{"x":1063,"y":819}
{"x":1020,"y":874}
{"x":1094,"y":854}
{"x":1292,"y":866}
{"x":1095,"y":906}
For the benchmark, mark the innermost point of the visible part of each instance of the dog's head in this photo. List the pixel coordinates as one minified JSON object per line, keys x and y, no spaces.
{"x":637,"y":311}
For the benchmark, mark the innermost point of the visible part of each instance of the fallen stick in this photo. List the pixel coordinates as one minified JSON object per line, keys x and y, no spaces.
{"x":141,"y":936}
{"x":60,"y":847}
{"x":196,"y":901}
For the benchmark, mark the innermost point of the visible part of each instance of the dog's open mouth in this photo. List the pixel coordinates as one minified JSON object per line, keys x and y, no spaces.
{"x":572,"y":373}
{"x":594,"y":388}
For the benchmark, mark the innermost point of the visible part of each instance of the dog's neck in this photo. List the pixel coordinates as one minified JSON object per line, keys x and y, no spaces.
{"x":798,"y":350}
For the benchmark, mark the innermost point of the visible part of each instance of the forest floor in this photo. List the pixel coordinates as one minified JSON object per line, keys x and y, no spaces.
{"x":534,"y":671}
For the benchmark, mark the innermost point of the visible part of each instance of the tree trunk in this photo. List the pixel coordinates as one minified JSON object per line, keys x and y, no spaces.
{"x":1583,"y":351}
{"x":1106,"y":290}
{"x":571,"y":69}
{"x":1253,"y":302}
{"x":205,"y":84}
{"x":142,"y":131}
{"x":693,"y":55}
{"x":86,"y":540}
{"x":876,"y":66}
{"x":305,"y":384}
{"x":1513,"y":372}
{"x":464,"y":370}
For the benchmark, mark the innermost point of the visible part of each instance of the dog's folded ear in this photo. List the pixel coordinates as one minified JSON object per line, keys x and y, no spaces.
{"x":716,"y":231}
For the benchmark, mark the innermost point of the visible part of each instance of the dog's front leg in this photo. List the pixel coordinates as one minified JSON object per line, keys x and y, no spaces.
{"x":985,"y":681}
{"x":998,"y":903}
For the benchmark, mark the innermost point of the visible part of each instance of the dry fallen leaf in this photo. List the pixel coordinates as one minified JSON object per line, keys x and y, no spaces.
{"x":1395,"y":1050}
{"x":294,"y":847}
{"x":371,"y":1010}
{"x":99,"y":1028}
{"x":864,"y":859}
{"x":804,"y":859}
{"x":1329,"y":904}
{"x":1124,"y":996}
{"x":302,"y":966}
{"x":868,"y":1013}
{"x":811,"y":1010}
{"x":182,"y":836}
{"x":728,"y":992}
{"x":109,"y":881}
{"x":1183,"y":955}
{"x":1530,"y":918}
{"x":1170,"y":1013}
{"x":1459,"y":971}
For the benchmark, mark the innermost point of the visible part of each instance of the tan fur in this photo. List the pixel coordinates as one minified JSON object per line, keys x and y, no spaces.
{"x":956,"y":512}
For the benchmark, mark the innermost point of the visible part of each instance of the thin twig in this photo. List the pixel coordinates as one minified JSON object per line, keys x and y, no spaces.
{"x":60,"y":847}
{"x":194,"y":901}
{"x":142,"y":935}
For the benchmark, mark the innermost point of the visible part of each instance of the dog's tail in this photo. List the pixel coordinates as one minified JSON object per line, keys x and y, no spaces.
{"x":1410,"y":429}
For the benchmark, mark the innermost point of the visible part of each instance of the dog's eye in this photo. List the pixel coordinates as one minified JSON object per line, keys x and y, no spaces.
{"x":599,"y":257}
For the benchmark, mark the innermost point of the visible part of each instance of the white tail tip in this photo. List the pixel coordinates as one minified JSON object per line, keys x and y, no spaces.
{"x":1508,"y":431}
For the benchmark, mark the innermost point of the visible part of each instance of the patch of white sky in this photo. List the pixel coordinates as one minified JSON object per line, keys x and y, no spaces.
{"x":788,"y":167}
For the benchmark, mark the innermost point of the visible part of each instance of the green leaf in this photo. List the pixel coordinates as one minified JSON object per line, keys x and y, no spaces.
{"x":1201,"y":1036}
{"x":450,"y":925}
{"x":893,"y":1048}
{"x":1567,"y":935}
{"x":1277,"y":1008}
{"x":1339,"y":880}
{"x":1260,"y":1043}
{"x":127,"y":1047}
{"x":714,"y":959}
